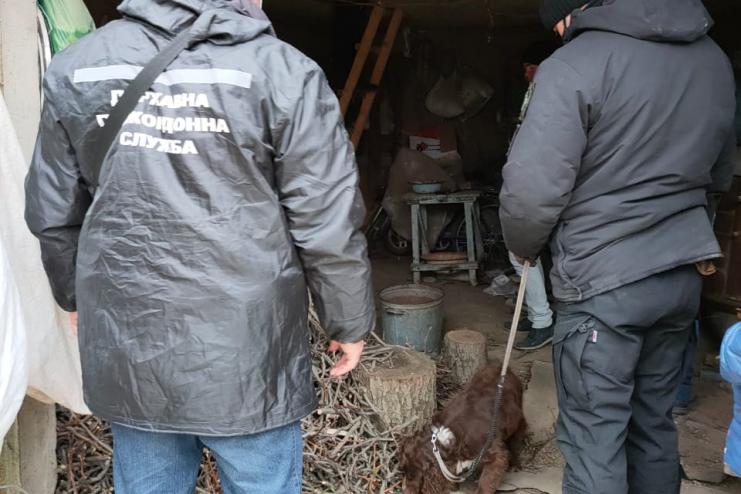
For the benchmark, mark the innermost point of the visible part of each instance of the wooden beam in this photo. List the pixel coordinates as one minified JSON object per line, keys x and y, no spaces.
{"x":374,"y":51}
{"x":365,"y":109}
{"x":388,"y":45}
{"x":366,"y":43}
{"x":10,"y":461}
{"x":376,"y":77}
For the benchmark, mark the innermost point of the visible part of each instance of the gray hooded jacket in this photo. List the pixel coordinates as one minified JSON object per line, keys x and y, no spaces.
{"x":230,"y":189}
{"x":629,"y":128}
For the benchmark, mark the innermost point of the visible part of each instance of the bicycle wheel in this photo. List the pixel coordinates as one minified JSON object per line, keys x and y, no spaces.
{"x":395,"y":243}
{"x":495,"y":251}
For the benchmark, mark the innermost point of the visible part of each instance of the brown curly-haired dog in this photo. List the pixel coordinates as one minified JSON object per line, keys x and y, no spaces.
{"x":462,"y":427}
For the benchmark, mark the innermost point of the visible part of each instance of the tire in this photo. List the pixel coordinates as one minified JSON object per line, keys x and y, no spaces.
{"x":490,"y":225}
{"x":491,"y":233}
{"x":395,"y":243}
{"x":443,"y":244}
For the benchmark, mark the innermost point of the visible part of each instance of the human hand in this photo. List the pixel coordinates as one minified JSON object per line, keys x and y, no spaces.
{"x":522,"y":261}
{"x":350,"y":358}
{"x":73,"y":320}
{"x":706,"y":268}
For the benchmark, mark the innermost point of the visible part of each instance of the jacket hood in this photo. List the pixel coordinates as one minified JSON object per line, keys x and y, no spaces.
{"x":224,"y":22}
{"x":670,"y":21}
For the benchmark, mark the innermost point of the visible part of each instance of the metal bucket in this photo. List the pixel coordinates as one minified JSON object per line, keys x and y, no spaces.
{"x":412,"y":316}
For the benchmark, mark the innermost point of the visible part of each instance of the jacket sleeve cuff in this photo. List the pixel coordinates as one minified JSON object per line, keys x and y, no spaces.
{"x":351,"y":330}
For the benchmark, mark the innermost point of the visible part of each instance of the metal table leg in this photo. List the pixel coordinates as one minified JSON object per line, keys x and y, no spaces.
{"x":415,"y":242}
{"x":480,"y":249}
{"x":470,"y":241}
{"x":423,"y":230}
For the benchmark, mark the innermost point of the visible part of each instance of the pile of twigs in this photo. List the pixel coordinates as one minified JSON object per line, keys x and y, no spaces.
{"x":208,"y":477}
{"x":346,"y":451}
{"x":447,"y":386}
{"x":83,"y":454}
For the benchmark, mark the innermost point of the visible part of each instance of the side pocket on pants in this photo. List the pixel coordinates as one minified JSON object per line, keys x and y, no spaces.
{"x":571,"y":338}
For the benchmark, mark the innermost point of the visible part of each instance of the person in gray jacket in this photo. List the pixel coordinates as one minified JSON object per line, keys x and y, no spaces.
{"x":628,"y":131}
{"x":229,"y":190}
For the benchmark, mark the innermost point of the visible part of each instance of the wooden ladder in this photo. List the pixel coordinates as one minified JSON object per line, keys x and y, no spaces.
{"x":364,"y":49}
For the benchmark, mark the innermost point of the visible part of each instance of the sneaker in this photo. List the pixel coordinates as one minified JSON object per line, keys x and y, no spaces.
{"x":537,"y":339}
{"x":729,"y":471}
{"x":524,"y":326}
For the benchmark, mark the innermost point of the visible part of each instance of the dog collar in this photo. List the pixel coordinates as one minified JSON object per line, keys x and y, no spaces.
{"x":450,"y":476}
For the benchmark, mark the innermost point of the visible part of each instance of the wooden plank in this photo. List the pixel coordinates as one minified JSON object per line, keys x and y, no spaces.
{"x":462,"y":266}
{"x":416,"y":256}
{"x":366,"y":43}
{"x":10,"y":461}
{"x":376,"y":77}
{"x":374,"y":51}
{"x":470,"y":240}
{"x":388,"y":45}
{"x":365,"y":109}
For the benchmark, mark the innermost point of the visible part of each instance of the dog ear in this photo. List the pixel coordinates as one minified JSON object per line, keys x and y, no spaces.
{"x":412,"y":486}
{"x":410,"y":468}
{"x":408,"y":448}
{"x":402,"y":453}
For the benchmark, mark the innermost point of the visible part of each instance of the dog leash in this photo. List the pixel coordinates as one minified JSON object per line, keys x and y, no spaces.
{"x":471,"y":470}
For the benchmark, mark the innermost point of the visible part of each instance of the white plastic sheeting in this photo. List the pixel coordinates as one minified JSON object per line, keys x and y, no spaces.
{"x":413,"y":166}
{"x":52,"y":354}
{"x":13,"y":369}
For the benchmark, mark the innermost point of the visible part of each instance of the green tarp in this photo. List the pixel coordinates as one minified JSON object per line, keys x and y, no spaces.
{"x":67,"y":21}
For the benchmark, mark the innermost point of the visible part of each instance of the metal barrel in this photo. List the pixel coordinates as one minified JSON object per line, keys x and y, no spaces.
{"x":412,"y":316}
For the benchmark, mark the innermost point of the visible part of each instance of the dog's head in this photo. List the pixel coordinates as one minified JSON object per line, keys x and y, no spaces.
{"x":419,"y":468}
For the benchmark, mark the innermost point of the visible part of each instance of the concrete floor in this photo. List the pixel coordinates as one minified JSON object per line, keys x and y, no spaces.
{"x":465,"y":306}
{"x":702,"y":432}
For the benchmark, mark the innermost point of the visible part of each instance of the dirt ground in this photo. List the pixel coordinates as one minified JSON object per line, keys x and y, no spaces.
{"x":702,"y":431}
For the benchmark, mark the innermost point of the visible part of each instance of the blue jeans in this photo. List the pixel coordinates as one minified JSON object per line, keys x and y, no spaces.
{"x":538,"y":309}
{"x":157,"y":463}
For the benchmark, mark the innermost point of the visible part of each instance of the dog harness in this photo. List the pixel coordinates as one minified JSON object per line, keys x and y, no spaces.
{"x":441,"y":463}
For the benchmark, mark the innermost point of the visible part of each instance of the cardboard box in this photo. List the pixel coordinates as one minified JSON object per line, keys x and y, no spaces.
{"x":434,"y":141}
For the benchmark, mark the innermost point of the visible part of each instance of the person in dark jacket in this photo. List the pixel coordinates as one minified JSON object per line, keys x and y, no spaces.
{"x":230,"y":190}
{"x":628,"y":132}
{"x":539,"y":323}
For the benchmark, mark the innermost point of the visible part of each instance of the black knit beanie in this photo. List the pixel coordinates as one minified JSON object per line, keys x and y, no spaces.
{"x":554,"y":11}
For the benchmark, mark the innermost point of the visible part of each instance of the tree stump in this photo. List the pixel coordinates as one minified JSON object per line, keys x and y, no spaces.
{"x":404,"y":395}
{"x":465,"y":352}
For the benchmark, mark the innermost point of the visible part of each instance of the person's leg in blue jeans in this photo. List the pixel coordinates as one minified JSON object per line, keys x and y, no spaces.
{"x":268,"y":463}
{"x":540,"y":315}
{"x":156,"y":463}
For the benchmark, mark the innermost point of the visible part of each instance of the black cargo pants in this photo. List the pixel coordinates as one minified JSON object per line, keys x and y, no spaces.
{"x":617,"y":360}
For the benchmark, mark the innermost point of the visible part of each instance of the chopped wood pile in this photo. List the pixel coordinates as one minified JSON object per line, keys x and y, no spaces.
{"x":346,"y":450}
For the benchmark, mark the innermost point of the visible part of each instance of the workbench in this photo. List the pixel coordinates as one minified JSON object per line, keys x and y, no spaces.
{"x":420,"y":248}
